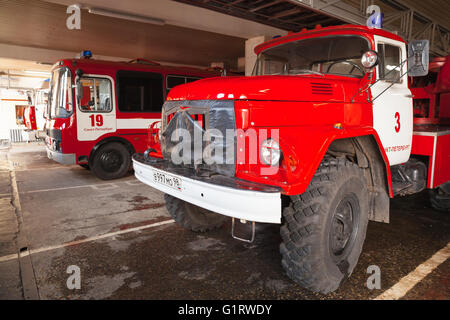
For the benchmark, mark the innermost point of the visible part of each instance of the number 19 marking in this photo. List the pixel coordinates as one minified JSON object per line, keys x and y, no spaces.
{"x":96,"y":120}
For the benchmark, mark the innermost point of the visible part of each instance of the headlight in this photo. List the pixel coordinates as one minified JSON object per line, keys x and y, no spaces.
{"x":369,"y":59}
{"x":270,"y":152}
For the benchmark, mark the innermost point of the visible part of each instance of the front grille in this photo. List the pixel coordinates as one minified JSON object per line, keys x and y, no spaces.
{"x":54,"y":139}
{"x":197,"y":117}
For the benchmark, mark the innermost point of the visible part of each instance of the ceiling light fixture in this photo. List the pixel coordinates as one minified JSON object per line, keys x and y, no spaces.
{"x":126,"y":16}
{"x":43,"y":73}
{"x":44,"y":63}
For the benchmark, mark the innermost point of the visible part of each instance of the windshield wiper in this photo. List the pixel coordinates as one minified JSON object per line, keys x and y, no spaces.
{"x":300,"y":71}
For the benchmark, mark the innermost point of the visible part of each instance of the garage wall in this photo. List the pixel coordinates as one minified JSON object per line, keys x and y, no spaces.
{"x":8,"y":101}
{"x":28,"y":55}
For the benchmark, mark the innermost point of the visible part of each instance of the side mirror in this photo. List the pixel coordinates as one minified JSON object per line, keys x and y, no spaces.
{"x":418,"y":58}
{"x":369,"y":59}
{"x":78,"y":85}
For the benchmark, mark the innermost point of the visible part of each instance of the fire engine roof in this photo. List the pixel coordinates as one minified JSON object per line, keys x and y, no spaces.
{"x":319,"y":31}
{"x":114,"y":65}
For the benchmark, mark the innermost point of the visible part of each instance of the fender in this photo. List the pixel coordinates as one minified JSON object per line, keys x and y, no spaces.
{"x":358,"y":133}
{"x":368,"y":151}
{"x":309,"y":154}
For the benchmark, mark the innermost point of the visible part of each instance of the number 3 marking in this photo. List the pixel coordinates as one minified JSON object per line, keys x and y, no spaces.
{"x":397,"y":117}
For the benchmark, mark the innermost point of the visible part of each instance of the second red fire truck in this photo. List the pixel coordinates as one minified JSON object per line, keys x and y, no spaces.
{"x":99,"y":111}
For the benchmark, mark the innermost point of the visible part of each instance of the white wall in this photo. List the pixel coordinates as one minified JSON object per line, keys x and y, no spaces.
{"x":51,"y":56}
{"x":8,"y":110}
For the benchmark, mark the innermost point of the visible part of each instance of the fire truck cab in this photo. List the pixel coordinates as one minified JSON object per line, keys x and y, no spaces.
{"x":98,"y":111}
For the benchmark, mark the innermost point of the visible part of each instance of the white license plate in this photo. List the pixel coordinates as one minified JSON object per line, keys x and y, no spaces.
{"x":167,"y":180}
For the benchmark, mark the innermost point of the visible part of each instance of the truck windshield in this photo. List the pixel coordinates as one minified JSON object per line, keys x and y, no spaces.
{"x":60,"y":96}
{"x":339,"y":55}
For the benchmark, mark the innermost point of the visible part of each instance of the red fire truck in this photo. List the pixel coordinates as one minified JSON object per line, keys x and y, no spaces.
{"x":99,"y":111}
{"x":29,"y":117}
{"x":323,"y":137}
{"x":34,"y":113}
{"x":431,"y":138}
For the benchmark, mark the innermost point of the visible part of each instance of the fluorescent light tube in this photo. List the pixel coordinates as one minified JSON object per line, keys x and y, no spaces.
{"x":126,"y":16}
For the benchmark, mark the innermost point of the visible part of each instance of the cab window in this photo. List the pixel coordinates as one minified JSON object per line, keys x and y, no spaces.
{"x":60,"y":96}
{"x":173,"y":81}
{"x":139,"y":91}
{"x":389,"y":67}
{"x":96,"y":95}
{"x":337,"y":55}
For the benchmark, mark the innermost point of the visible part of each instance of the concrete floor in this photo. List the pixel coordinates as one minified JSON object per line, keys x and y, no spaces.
{"x":61,"y":204}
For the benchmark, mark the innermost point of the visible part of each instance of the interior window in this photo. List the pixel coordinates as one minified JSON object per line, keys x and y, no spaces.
{"x":140,"y":91}
{"x":96,"y":96}
{"x":389,"y":63}
{"x":190,"y":79}
{"x":173,"y":81}
{"x":19,"y":114}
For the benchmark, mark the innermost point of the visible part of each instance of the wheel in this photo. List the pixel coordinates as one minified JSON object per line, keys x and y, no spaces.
{"x":111,"y":161}
{"x":440,"y":197}
{"x":324,"y":228}
{"x":85,"y":166}
{"x":192,"y":217}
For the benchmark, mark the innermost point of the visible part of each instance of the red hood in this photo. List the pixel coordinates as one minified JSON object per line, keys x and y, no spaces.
{"x":270,"y":88}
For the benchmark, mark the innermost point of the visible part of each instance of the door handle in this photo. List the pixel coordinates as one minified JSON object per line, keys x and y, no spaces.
{"x":409,"y":96}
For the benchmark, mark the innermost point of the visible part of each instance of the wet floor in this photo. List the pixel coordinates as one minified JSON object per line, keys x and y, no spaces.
{"x":60,"y":204}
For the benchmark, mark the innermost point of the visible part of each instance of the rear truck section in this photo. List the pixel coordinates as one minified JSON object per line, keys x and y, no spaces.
{"x":311,"y":141}
{"x":99,"y":111}
{"x":29,"y":117}
{"x":431,"y":136}
{"x":29,"y":120}
{"x":33,"y":114}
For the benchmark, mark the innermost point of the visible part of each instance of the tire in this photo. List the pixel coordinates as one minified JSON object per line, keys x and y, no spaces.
{"x":111,"y":161}
{"x":192,"y":217}
{"x":440,"y":197}
{"x":85,"y":166}
{"x":312,"y":254}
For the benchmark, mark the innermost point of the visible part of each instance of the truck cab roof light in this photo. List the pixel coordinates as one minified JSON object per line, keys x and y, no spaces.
{"x":86,"y":54}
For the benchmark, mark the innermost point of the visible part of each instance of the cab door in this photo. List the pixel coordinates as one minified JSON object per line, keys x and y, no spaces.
{"x":96,"y":110}
{"x":393,"y":109}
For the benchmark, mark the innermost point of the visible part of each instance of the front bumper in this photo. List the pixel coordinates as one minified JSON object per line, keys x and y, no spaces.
{"x":225,"y":195}
{"x":64,"y":158}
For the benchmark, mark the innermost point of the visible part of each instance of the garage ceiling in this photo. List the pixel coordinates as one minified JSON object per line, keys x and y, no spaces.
{"x":41,"y":24}
{"x":197,"y":32}
{"x":281,"y":14}
{"x":412,"y":19}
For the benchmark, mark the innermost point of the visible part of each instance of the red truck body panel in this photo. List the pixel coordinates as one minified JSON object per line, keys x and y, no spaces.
{"x":432,"y":120}
{"x":307,"y":111}
{"x":29,"y":117}
{"x":312,"y":120}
